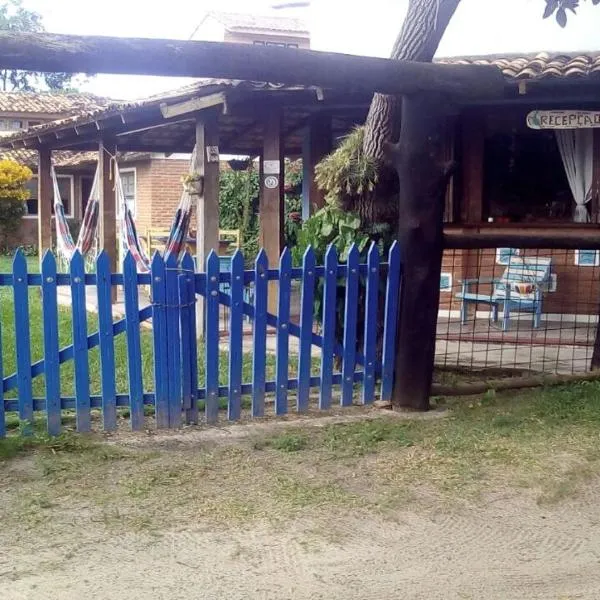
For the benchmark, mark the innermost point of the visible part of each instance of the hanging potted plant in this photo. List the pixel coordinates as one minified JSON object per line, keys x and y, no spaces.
{"x":193,"y":184}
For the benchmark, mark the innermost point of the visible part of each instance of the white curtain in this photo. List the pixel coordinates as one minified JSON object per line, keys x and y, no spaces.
{"x":576,"y":149}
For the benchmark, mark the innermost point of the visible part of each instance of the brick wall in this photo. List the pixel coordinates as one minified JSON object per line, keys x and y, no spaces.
{"x":166,"y":188}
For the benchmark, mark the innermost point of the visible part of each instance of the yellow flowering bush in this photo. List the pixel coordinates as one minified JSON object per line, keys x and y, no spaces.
{"x":13,"y":195}
{"x":13,"y":178}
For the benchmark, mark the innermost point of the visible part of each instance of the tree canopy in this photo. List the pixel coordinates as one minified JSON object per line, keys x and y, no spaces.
{"x":15,"y":17}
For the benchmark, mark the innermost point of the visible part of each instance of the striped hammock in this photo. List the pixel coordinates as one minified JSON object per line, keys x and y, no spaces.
{"x":87,"y":241}
{"x":175,"y":245}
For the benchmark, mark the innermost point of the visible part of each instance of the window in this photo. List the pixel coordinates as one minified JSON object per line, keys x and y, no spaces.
{"x":446,"y":282}
{"x":33,"y":123}
{"x":524,"y":179}
{"x":65,"y":185}
{"x":587,"y":258}
{"x":129,"y":184}
{"x":10,"y":124}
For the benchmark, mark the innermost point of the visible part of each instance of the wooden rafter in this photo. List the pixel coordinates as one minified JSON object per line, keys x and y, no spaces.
{"x":96,"y":54}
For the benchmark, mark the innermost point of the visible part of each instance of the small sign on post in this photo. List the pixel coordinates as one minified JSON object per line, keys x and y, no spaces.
{"x":563,"y":119}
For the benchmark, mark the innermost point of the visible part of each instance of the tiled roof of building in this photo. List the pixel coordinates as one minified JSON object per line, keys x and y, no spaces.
{"x":50,"y":102}
{"x":246,"y":22}
{"x":536,"y":66}
{"x":199,"y":87}
{"x":65,"y":158}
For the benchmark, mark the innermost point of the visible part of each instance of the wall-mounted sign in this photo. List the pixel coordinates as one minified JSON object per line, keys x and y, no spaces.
{"x":271,"y":182}
{"x":271,"y":167}
{"x":563,"y":119}
{"x":212,"y":154}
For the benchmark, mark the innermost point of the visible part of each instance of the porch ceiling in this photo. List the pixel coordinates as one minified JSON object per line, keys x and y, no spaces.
{"x":141,"y":127}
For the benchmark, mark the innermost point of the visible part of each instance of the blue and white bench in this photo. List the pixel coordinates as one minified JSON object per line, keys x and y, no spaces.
{"x":520,"y":289}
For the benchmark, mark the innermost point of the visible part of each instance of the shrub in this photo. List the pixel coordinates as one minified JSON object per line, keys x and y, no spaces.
{"x":13,"y":195}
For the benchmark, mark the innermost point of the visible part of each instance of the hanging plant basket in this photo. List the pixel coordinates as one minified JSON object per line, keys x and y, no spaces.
{"x":193,"y":184}
{"x":240,"y":164}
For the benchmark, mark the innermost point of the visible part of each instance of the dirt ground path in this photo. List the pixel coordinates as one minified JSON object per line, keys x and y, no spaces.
{"x":72,"y":526}
{"x":508,"y":548}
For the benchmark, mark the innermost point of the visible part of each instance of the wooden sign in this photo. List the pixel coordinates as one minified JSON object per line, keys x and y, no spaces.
{"x":212,"y":154}
{"x":563,"y":119}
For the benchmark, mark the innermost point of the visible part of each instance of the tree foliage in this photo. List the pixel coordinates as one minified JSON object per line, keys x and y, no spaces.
{"x":560,"y":9}
{"x":15,"y":17}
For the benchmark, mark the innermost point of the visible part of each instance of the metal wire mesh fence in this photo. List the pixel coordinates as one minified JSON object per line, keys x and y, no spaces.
{"x":533,"y":310}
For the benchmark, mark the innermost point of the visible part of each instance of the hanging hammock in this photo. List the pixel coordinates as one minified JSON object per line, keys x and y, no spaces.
{"x":179,"y":229}
{"x":87,"y":241}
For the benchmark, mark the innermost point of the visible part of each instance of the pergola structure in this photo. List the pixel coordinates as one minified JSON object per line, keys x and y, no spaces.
{"x":234,"y":117}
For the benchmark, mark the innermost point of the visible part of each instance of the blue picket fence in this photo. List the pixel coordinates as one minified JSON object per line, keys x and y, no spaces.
{"x":176,"y":390}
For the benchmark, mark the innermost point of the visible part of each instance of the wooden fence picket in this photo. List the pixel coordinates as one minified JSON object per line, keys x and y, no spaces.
{"x":236,"y":323}
{"x":51,"y":360}
{"x":134,"y":346}
{"x":328,"y":324}
{"x":306,"y":328}
{"x":23,"y":344}
{"x":187,"y":266}
{"x":173,"y":341}
{"x":371,"y":324}
{"x":212,"y":337}
{"x":283,"y":334}
{"x":186,"y":366}
{"x":80,"y":344}
{"x":350,"y":318}
{"x":259,"y":333}
{"x":106,"y":342}
{"x":159,"y":341}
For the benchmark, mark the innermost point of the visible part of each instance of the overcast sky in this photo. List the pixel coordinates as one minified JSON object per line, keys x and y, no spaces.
{"x":362,"y":27}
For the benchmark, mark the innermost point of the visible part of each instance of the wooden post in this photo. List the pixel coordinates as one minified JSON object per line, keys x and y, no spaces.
{"x":207,"y":206}
{"x":316,"y":145}
{"x":45,"y":195}
{"x":271,"y":207}
{"x":423,"y":181}
{"x":595,"y":201}
{"x":108,"y":209}
{"x":473,"y":139}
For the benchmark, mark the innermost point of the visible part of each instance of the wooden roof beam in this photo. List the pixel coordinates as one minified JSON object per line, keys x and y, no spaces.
{"x":137,"y":56}
{"x":170,"y":111}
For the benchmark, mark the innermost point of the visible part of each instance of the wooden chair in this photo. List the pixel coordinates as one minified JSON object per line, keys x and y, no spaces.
{"x":520,"y":289}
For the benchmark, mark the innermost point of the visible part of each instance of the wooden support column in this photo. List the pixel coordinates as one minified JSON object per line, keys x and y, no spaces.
{"x":207,"y":206}
{"x":45,"y":195}
{"x":271,"y":203}
{"x":108,"y":207}
{"x":316,"y":145}
{"x":423,"y":181}
{"x":472,"y":151}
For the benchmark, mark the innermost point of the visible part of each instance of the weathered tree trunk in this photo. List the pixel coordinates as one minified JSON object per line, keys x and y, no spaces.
{"x":418,"y":40}
{"x":423,"y":28}
{"x":423,"y":181}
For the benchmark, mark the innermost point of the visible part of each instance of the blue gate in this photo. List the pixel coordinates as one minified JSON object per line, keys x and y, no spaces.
{"x":149,"y":367}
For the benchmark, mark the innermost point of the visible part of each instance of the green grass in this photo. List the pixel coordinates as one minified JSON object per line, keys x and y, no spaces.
{"x":542,"y":443}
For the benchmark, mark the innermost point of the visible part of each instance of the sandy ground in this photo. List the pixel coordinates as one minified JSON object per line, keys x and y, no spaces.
{"x":507,"y":549}
{"x":504,"y":545}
